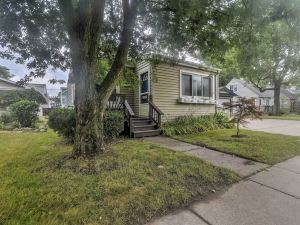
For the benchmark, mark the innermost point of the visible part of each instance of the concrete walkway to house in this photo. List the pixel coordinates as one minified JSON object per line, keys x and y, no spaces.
{"x":243,"y":167}
{"x":288,"y":127}
{"x":270,"y":197}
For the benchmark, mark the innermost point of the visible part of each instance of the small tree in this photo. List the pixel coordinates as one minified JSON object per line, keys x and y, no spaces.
{"x":243,"y":109}
{"x":25,"y":112}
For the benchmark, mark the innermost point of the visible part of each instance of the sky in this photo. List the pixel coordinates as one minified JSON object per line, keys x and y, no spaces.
{"x":20,"y":71}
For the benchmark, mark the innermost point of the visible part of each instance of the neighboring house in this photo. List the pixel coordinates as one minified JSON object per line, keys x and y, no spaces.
{"x":263,"y":100}
{"x":64,"y":97}
{"x":8,"y":85}
{"x":226,"y":96}
{"x":288,"y":100}
{"x":41,"y":88}
{"x":167,"y":90}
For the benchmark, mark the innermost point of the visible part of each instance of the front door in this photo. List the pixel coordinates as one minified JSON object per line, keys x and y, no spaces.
{"x":144,"y":93}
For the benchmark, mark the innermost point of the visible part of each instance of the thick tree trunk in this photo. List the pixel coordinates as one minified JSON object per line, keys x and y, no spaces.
{"x":89,"y":116}
{"x":277,"y":85}
{"x":84,"y":25}
{"x":84,"y":28}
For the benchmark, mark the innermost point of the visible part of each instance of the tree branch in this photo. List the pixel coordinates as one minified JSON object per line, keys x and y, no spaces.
{"x":67,"y":11}
{"x":109,"y":82}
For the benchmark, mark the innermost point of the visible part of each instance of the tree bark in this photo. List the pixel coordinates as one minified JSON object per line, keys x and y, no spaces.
{"x":277,"y":86}
{"x":84,"y":28}
{"x":83,"y":25}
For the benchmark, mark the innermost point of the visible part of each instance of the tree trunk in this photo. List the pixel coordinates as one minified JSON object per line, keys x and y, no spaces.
{"x":84,"y":28}
{"x":238,"y":128}
{"x":277,"y":85}
{"x":89,"y":116}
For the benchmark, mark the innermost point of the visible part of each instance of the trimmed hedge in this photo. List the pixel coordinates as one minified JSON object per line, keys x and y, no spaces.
{"x":195,"y":124}
{"x":63,"y":122}
{"x":25,"y":112}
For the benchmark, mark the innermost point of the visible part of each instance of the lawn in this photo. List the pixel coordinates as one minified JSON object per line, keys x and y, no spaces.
{"x":259,"y":146}
{"x":129,"y":184}
{"x":284,"y":117}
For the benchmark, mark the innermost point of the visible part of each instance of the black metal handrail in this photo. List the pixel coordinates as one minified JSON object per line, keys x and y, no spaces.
{"x":155,"y":113}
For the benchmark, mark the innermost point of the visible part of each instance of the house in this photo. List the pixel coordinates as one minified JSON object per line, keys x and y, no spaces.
{"x":64,"y":97}
{"x":8,"y":85}
{"x":67,"y":95}
{"x":288,"y":100}
{"x":263,"y":100}
{"x":226,"y":96}
{"x":166,"y":89}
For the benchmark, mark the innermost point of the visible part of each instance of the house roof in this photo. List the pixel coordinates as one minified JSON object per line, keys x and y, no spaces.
{"x":192,"y":64}
{"x":265,"y":94}
{"x":288,"y":94}
{"x":284,"y":92}
{"x":224,"y":92}
{"x":10,"y":82}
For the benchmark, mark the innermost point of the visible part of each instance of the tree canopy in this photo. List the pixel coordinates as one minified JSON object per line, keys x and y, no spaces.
{"x":4,"y":73}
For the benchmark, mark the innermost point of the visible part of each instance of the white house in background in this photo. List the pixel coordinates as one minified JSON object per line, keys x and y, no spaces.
{"x":67,"y":96}
{"x":288,"y":100}
{"x":245,"y":89}
{"x":8,"y":85}
{"x":63,"y":97}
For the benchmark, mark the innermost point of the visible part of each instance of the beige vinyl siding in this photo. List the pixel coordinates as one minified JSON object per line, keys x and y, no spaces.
{"x":166,"y":91}
{"x":128,"y":93}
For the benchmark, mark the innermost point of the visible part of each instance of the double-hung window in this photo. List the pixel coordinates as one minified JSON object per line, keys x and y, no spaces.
{"x":196,"y":85}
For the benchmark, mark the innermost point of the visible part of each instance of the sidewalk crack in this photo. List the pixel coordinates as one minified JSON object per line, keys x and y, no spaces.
{"x":199,"y":216}
{"x":293,"y":196}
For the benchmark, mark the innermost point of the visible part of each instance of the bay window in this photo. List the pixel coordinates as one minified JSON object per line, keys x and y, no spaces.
{"x":193,"y":85}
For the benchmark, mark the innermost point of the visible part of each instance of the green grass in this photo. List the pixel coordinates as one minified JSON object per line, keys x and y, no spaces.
{"x":42,"y":121}
{"x":129,"y":184}
{"x":259,"y":146}
{"x":284,"y":117}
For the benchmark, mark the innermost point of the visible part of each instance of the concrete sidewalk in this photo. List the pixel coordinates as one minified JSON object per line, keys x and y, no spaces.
{"x":243,"y":167}
{"x":271,"y":197}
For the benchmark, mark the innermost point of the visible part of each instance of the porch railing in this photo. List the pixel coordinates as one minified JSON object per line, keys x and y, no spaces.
{"x":115,"y":102}
{"x":155,"y":113}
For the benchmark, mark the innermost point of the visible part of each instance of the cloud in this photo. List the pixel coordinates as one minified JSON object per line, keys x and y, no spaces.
{"x":20,"y":71}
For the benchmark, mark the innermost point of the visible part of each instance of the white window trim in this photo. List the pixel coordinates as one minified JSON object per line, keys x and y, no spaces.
{"x":188,"y":72}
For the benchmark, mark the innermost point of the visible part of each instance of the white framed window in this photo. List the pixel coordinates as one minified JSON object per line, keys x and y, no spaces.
{"x":196,"y":85}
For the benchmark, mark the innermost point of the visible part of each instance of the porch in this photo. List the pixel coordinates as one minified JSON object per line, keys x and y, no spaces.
{"x":137,"y":126}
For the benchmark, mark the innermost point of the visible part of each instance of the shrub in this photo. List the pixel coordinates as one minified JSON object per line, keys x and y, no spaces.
{"x":195,"y":124}
{"x":113,"y":124}
{"x":25,"y":112}
{"x":63,"y":122}
{"x":6,"y":118}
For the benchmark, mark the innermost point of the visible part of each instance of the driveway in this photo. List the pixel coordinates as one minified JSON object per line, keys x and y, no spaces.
{"x":288,"y":127}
